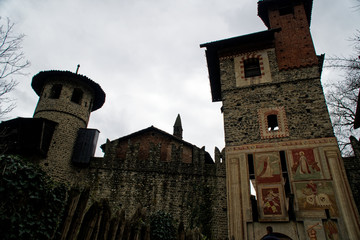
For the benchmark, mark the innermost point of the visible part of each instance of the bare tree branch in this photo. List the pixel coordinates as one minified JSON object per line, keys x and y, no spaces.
{"x":342,"y":97}
{"x":12,"y":62}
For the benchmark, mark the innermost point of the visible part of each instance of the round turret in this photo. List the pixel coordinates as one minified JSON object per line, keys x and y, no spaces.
{"x":66,"y":93}
{"x":67,"y":99}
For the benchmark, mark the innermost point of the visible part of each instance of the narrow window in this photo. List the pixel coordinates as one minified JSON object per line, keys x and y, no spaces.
{"x":77,"y":96}
{"x":272,"y":122}
{"x":91,"y":104}
{"x":285,"y":173}
{"x":251,"y":166}
{"x":55,"y":91}
{"x":252,"y":67}
{"x":286,"y":10}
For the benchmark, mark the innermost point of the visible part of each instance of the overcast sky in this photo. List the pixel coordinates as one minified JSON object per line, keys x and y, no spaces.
{"x":146,"y":56}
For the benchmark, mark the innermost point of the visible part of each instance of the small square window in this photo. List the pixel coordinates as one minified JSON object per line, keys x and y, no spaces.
{"x":272,"y":121}
{"x":286,"y":10}
{"x":77,"y":96}
{"x":55,"y":91}
{"x":252,"y":67}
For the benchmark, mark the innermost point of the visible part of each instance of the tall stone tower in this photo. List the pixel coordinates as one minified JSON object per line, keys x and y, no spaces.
{"x":278,"y":134}
{"x":67,"y":99}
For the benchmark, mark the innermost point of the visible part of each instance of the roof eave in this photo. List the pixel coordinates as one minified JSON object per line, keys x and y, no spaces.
{"x":212,"y":55}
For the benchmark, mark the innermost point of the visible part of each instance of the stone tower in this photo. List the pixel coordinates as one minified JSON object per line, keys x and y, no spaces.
{"x":67,"y":99}
{"x":278,"y":134}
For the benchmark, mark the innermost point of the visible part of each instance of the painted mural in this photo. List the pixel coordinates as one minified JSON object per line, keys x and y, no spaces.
{"x":270,"y":186}
{"x":331,"y":230}
{"x":272,"y":204}
{"x":267,"y":167}
{"x":304,"y":165}
{"x":271,"y":200}
{"x":312,"y":230}
{"x":317,"y":195}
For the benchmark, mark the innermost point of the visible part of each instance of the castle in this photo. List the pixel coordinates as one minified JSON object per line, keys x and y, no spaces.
{"x":278,"y":137}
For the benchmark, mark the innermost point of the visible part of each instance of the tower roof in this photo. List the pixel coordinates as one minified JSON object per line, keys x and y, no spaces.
{"x":178,"y":121}
{"x":178,"y":127}
{"x":41,"y":78}
{"x":264,"y":5}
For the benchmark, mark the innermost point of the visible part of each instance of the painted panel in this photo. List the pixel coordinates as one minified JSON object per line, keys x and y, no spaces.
{"x":317,"y":195}
{"x":304,"y":165}
{"x":314,"y":229}
{"x":267,"y":167}
{"x":271,"y":202}
{"x":331,"y":230}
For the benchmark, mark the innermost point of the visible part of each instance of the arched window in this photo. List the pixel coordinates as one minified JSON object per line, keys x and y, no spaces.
{"x":77,"y":96}
{"x":55,"y":91}
{"x":252,"y":67}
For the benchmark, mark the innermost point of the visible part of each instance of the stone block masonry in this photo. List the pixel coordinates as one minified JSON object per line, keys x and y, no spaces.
{"x":194,"y":193}
{"x":299,"y":91}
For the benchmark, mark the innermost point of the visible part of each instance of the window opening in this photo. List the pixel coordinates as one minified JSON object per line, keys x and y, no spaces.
{"x":286,"y":10}
{"x":273,"y":124}
{"x":91,"y":104}
{"x":252,"y":67}
{"x":55,"y":91}
{"x":251,"y":166}
{"x":285,"y":173}
{"x":77,"y":96}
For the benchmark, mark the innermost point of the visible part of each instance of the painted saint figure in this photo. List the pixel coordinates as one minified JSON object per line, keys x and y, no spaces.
{"x":311,"y":230}
{"x":305,"y":162}
{"x":267,"y":170}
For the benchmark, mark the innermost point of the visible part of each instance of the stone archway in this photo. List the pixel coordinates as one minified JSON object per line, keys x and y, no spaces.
{"x":280,"y":236}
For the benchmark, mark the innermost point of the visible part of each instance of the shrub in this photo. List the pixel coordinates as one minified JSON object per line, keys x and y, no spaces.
{"x":31,"y":205}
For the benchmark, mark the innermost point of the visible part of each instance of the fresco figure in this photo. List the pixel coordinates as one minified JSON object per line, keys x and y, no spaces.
{"x":304,"y":164}
{"x":268,"y":168}
{"x":311,"y":231}
{"x":331,"y":230}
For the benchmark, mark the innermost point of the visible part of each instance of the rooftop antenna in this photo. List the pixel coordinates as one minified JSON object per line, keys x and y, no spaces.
{"x":77,"y":69}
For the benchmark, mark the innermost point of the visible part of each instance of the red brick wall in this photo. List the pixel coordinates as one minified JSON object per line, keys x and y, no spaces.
{"x":294,"y":46}
{"x":144,"y":141}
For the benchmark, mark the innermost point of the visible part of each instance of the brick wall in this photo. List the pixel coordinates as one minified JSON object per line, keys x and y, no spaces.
{"x":170,"y":147}
{"x":294,"y":46}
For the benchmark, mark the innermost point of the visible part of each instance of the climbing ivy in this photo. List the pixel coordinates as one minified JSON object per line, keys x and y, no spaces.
{"x":201,"y":210}
{"x":162,"y":226}
{"x":31,"y":205}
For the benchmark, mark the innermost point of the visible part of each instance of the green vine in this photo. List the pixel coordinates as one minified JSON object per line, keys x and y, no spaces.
{"x":201,"y":210}
{"x":31,"y":205}
{"x":162,"y":226}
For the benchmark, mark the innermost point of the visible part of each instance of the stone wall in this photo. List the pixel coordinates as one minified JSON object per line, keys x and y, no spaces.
{"x":64,"y":104}
{"x":194,"y":193}
{"x":299,"y":91}
{"x":70,"y":117}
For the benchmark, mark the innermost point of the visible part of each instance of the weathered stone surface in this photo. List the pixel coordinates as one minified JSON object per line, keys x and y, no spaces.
{"x":194,"y":193}
{"x":299,"y":91}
